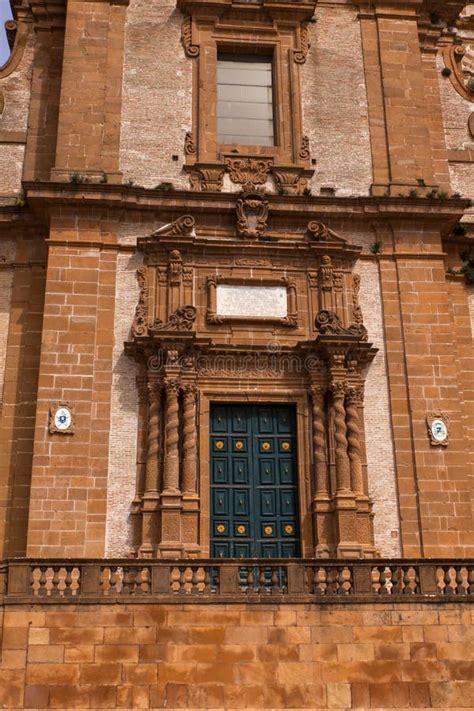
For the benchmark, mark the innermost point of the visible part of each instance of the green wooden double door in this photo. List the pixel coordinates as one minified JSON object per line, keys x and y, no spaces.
{"x":254,"y":494}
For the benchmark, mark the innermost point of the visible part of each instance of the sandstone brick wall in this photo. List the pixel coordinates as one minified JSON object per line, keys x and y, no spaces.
{"x":157,"y":96}
{"x":334,"y":101}
{"x":21,"y":346}
{"x":378,"y":426}
{"x":238,"y":656}
{"x":69,"y":475}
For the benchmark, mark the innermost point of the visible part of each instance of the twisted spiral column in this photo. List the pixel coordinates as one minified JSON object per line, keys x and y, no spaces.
{"x":171,"y":462}
{"x":343,"y":474}
{"x":189,"y":440}
{"x":354,"y":440}
{"x":153,"y":438}
{"x":319,"y":441}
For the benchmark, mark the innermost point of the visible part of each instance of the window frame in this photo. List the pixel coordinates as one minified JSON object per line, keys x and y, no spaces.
{"x":242,"y":50}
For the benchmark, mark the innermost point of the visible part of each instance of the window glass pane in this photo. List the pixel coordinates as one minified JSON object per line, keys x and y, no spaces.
{"x":245,"y":100}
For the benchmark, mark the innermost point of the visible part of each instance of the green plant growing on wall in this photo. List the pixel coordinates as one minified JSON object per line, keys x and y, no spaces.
{"x":78,"y":179}
{"x":467,"y":269}
{"x":375,"y":247}
{"x":460,"y":230}
{"x":446,"y":72}
{"x":165,"y":187}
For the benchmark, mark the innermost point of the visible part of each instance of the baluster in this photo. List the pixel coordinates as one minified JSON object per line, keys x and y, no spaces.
{"x":43,"y":580}
{"x":194,"y":581}
{"x":60,"y":578}
{"x":346,"y":581}
{"x":250,"y":580}
{"x":321,"y":584}
{"x":36,"y":581}
{"x":262,"y":581}
{"x":75,"y":581}
{"x":207,"y":579}
{"x":470,"y":579}
{"x":440,"y":584}
{"x":275,"y":580}
{"x":49,"y":577}
{"x":376,"y":585}
{"x":397,"y":581}
{"x":411,"y":580}
{"x":460,"y":578}
{"x":175,"y":580}
{"x":68,"y":581}
{"x":332,"y":581}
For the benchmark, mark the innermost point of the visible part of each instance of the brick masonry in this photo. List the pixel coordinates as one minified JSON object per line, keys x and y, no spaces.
{"x":124,"y":414}
{"x":378,"y":426}
{"x":332,"y":86}
{"x":236,"y":656}
{"x":153,"y":49}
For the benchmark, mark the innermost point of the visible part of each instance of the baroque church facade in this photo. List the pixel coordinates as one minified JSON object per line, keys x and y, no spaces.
{"x":236,"y":354}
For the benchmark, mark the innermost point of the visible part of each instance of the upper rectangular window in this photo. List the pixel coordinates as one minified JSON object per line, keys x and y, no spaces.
{"x":245,"y":100}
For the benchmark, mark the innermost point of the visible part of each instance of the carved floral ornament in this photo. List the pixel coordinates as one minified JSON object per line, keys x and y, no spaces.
{"x":248,"y":172}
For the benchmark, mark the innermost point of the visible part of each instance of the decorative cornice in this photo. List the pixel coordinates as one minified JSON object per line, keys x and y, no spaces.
{"x":297,"y":10}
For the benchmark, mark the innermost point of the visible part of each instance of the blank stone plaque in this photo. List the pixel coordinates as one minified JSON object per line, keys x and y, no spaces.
{"x":253,"y":301}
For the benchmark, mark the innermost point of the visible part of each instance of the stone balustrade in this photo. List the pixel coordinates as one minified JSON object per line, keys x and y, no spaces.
{"x":325,"y":581}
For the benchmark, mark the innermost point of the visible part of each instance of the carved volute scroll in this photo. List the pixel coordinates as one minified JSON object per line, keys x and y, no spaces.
{"x":301,"y":54}
{"x":191,"y":50}
{"x":140,"y":322}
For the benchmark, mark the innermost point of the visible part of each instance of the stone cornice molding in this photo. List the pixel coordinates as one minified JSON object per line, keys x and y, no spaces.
{"x":43,"y":199}
{"x":299,"y":10}
{"x":446,"y":10}
{"x":50,"y":13}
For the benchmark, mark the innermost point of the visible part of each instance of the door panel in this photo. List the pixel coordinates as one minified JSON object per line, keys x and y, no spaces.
{"x":254,"y":498}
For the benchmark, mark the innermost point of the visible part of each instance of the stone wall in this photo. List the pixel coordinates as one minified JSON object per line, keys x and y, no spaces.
{"x":313,"y":656}
{"x":15,"y":89}
{"x":124,"y":414}
{"x":378,"y":427}
{"x":157,"y":97}
{"x":334,"y":100}
{"x":6,"y":283}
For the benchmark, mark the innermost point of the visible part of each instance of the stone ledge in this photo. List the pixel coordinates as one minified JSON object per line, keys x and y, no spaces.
{"x":215,"y":581}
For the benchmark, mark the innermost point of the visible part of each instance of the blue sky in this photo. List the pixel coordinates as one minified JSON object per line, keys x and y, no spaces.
{"x":5,"y":15}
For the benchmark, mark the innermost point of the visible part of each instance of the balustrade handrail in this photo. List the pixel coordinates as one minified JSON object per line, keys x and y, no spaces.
{"x":319,"y":580}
